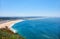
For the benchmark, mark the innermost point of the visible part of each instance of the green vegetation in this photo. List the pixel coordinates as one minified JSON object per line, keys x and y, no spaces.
{"x":5,"y":33}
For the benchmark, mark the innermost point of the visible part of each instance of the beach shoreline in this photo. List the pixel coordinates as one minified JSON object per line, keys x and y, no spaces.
{"x":9,"y":24}
{"x":13,"y":24}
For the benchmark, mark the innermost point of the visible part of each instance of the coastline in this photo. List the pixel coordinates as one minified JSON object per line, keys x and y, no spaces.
{"x":10,"y":24}
{"x":10,"y":27}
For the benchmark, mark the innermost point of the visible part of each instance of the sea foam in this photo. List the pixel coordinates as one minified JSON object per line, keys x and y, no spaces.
{"x":13,"y":30}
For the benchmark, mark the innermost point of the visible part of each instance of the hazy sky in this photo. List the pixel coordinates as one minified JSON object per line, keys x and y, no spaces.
{"x":30,"y":8}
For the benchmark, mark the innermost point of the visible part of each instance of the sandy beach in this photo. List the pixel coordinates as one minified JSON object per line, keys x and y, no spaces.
{"x":9,"y":23}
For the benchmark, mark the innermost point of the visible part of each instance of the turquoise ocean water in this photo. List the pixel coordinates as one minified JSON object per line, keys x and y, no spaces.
{"x":48,"y":28}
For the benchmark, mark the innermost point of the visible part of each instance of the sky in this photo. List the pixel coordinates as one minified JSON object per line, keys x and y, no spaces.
{"x":9,"y":8}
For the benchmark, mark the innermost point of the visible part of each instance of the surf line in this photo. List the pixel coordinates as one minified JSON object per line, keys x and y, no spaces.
{"x":13,"y":30}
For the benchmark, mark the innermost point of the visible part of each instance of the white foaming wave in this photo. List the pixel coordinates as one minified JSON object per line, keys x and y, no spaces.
{"x":38,"y":18}
{"x":13,"y":30}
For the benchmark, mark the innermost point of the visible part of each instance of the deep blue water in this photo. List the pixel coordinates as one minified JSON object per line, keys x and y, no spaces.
{"x":48,"y":28}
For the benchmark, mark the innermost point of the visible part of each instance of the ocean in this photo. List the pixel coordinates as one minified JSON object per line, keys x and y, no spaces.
{"x":47,"y":28}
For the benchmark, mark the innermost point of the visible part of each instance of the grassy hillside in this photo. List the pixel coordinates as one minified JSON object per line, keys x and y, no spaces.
{"x":5,"y":33}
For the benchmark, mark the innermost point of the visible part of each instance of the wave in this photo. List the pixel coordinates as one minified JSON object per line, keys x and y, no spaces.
{"x":13,"y":30}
